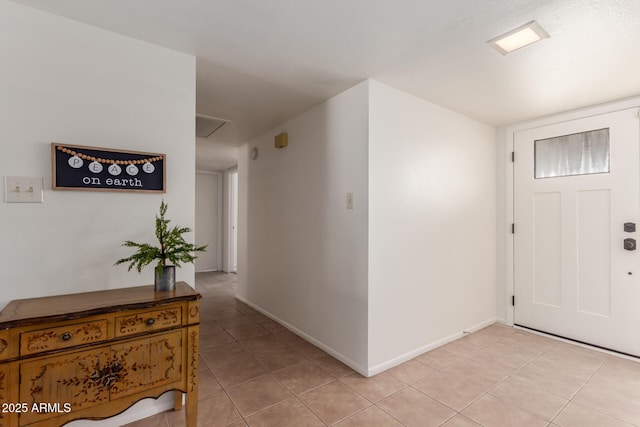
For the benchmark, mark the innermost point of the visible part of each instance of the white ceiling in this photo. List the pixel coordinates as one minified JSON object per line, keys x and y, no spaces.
{"x":262,"y":62}
{"x":215,"y":157}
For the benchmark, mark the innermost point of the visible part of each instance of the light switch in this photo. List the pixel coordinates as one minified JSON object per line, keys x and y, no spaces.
{"x":23,"y":189}
{"x":349,"y":200}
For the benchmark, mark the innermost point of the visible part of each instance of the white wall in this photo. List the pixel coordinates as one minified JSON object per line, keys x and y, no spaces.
{"x":208,"y":220}
{"x":303,"y":256}
{"x":72,"y":83}
{"x":214,"y":156}
{"x":432,"y":215}
{"x":412,"y":266}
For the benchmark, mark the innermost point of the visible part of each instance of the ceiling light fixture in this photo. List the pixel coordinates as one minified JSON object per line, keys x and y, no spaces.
{"x":518,"y":38}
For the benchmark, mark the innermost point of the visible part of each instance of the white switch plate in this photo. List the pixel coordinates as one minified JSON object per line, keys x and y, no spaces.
{"x":349,"y":200}
{"x":23,"y":189}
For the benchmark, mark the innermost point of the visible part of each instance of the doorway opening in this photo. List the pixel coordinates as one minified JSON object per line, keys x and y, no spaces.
{"x":233,"y":223}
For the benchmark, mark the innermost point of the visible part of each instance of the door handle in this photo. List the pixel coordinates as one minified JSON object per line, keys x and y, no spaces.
{"x":630,"y":244}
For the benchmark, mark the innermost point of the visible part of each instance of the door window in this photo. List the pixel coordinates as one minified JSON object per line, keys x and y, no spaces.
{"x":575,"y":154}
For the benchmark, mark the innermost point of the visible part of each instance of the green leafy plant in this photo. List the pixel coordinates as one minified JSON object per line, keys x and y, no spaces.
{"x":173,"y":248}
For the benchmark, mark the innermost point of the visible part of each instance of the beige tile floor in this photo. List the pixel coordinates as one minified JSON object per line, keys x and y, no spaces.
{"x":254,"y":372}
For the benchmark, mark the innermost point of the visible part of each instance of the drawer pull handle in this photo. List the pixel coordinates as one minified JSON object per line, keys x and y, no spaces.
{"x":66,"y":336}
{"x":150,"y":321}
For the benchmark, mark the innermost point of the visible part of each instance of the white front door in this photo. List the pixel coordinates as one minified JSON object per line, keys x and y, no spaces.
{"x":576,"y":184}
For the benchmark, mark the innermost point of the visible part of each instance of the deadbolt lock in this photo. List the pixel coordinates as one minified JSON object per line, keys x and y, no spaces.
{"x":630,"y":244}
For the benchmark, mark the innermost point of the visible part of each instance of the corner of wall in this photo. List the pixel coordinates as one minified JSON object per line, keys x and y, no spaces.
{"x":430,"y":170}
{"x":302,"y":252}
{"x":502,"y":220}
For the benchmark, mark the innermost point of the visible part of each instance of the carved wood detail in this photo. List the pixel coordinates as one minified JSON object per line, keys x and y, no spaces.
{"x":194,"y":311}
{"x":3,"y":345}
{"x":193,"y":374}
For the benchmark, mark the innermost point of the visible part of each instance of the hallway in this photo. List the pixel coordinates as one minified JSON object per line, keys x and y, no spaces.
{"x":254,"y":372}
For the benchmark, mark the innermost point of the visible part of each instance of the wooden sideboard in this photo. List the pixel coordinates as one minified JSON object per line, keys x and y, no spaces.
{"x":92,"y":355}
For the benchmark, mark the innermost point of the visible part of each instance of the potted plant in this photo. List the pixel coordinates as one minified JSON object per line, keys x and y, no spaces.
{"x":173,"y":250}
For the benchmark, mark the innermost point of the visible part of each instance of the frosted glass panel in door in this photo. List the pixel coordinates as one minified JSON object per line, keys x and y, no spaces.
{"x":576,"y":154}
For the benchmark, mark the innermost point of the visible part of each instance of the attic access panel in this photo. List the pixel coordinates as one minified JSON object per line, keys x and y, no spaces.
{"x":207,"y":126}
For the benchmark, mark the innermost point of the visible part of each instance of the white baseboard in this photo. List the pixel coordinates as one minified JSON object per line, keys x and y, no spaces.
{"x":344,"y":359}
{"x":365,"y":371}
{"x":502,"y":321}
{"x":428,"y":347}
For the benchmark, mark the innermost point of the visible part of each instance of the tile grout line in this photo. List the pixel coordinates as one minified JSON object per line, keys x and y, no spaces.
{"x":515,"y":371}
{"x":386,"y":397}
{"x":272,"y":373}
{"x":570,"y":399}
{"x":459,"y":357}
{"x":269,"y":372}
{"x":223,"y":388}
{"x":580,"y":389}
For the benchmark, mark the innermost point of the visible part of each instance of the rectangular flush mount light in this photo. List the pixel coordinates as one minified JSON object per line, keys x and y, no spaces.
{"x":520,"y":37}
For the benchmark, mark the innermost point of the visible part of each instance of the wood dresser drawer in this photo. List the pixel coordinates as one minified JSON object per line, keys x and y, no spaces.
{"x":148,"y":320}
{"x":60,"y":337}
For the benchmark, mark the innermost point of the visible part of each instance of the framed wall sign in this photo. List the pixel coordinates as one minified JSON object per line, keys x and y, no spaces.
{"x":77,"y":167}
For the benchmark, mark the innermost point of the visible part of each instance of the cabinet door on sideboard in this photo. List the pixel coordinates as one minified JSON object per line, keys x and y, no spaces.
{"x":81,"y":379}
{"x":147,"y":363}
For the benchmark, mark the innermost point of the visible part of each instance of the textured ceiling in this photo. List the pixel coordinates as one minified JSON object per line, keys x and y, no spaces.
{"x":262,"y":62}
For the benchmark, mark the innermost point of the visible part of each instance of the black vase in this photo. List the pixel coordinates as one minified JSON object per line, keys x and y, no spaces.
{"x":165,"y":279}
